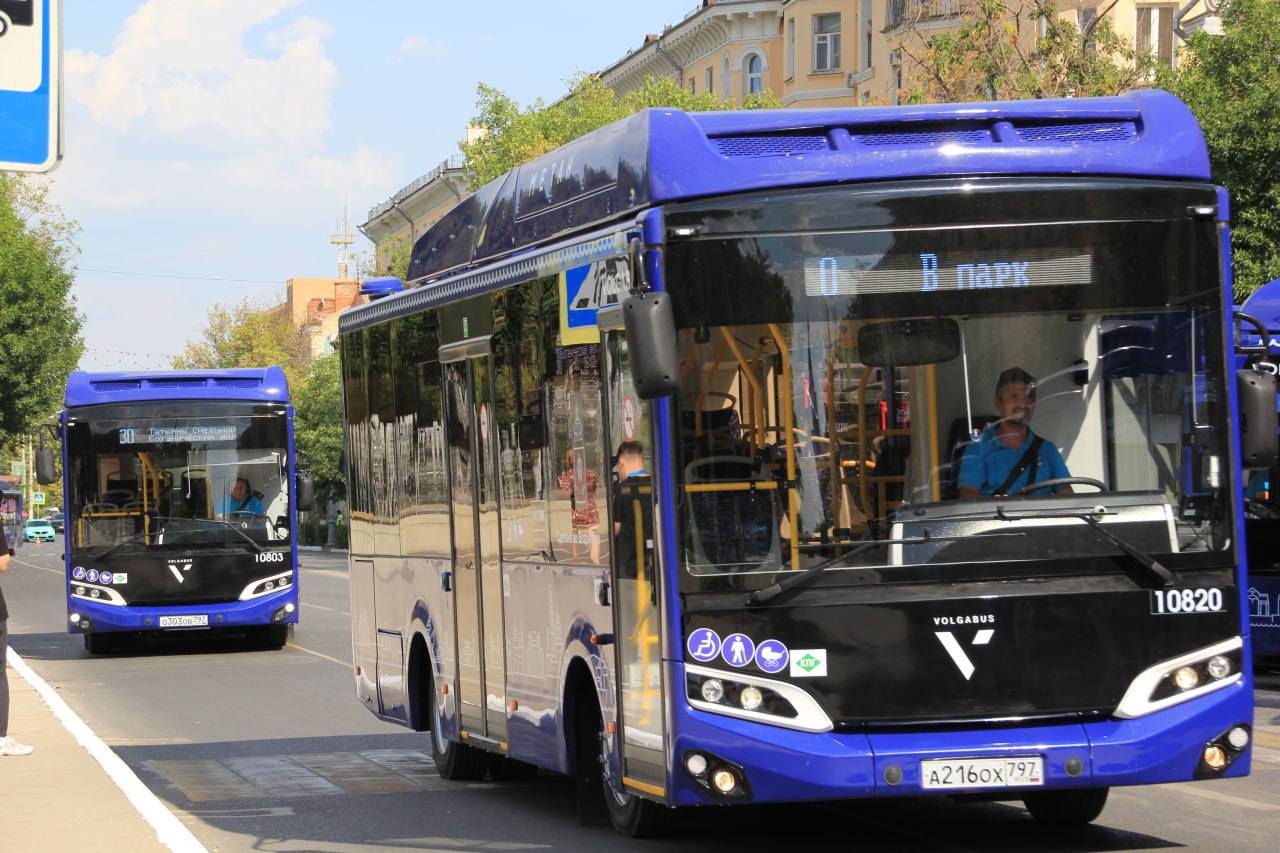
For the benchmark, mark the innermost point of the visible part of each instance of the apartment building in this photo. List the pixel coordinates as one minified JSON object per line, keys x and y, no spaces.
{"x":807,"y":53}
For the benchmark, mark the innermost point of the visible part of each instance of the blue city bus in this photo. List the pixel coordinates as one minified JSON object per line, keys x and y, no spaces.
{"x":654,"y":462}
{"x":179,"y":503}
{"x":1262,"y":491}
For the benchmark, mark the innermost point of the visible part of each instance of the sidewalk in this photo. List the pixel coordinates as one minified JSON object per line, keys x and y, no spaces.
{"x":73,"y":793}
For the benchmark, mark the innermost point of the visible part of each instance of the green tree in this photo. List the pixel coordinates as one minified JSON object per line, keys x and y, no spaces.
{"x":251,"y":334}
{"x":317,"y":430}
{"x":39,"y":325}
{"x":1231,"y":82}
{"x":515,"y":135}
{"x":1013,"y":49}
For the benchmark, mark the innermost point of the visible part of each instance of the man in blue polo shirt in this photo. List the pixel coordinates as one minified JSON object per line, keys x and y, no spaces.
{"x":1008,"y":455}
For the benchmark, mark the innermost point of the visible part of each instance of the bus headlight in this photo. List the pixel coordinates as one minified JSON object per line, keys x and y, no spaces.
{"x":1183,"y":678}
{"x":762,"y":700}
{"x":266,"y":586}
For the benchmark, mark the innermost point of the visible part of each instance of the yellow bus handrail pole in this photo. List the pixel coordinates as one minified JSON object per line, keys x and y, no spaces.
{"x":789,"y":422}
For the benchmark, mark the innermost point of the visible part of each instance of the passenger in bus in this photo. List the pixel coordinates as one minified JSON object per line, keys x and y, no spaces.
{"x":581,"y":482}
{"x":1008,"y":456}
{"x":633,"y":491}
{"x":242,"y":501}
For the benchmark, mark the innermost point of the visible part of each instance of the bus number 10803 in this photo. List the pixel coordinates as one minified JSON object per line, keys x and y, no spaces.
{"x":1208,"y":600}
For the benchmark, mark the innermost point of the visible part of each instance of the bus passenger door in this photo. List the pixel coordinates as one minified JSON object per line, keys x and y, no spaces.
{"x":636,"y":611}
{"x":477,"y":571}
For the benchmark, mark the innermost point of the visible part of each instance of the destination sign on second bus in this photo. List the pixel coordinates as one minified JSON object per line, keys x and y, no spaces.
{"x":857,"y":275}
{"x":178,"y":435}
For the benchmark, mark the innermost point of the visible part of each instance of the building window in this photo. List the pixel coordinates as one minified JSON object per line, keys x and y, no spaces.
{"x":693,"y":85}
{"x":865,"y":26}
{"x":1085,"y":17}
{"x":724,"y":78}
{"x":826,"y":43}
{"x":791,"y":48}
{"x":1155,"y":33}
{"x":754,"y":82}
{"x":709,"y":87}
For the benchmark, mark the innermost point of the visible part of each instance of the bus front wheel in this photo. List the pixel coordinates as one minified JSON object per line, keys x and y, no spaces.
{"x":632,"y":816}
{"x":454,"y":761}
{"x":1071,"y":807}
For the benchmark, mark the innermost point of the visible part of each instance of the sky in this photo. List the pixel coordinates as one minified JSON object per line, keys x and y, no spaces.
{"x":212,"y":146}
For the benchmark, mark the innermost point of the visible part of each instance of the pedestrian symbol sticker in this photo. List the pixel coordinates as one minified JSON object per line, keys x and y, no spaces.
{"x":738,"y":650}
{"x":704,"y":645}
{"x":93,"y":576}
{"x":771,"y":656}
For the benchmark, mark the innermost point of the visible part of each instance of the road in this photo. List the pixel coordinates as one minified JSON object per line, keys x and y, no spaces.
{"x":269,"y":750}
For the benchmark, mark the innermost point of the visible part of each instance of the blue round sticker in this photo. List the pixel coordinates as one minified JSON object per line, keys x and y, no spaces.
{"x":78,"y":573}
{"x":93,"y":576}
{"x":704,"y":645}
{"x":105,"y":577}
{"x":771,"y":656}
{"x":738,"y":650}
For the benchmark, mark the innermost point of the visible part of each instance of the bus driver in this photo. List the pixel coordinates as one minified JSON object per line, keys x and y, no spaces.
{"x":1008,"y":456}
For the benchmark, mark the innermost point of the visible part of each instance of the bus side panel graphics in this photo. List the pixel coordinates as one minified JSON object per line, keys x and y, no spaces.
{"x":978,"y":658}
{"x":544,"y":643}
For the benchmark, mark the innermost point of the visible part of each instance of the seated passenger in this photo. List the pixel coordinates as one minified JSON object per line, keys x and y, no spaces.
{"x":1008,"y":455}
{"x":241,"y":502}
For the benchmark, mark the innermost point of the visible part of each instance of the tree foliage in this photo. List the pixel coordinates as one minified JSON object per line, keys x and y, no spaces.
{"x":1012,"y":49}
{"x":1231,"y":82}
{"x":39,"y":324}
{"x":514,"y":135}
{"x":318,"y":425}
{"x":251,"y":334}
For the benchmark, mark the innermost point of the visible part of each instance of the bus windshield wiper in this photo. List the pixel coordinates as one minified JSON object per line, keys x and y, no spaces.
{"x":797,"y":578}
{"x":1153,"y":567}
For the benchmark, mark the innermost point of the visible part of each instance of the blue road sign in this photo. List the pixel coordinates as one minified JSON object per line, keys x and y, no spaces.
{"x":30,"y":84}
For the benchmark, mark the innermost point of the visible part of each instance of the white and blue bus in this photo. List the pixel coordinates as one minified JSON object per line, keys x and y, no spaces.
{"x":653,"y":462}
{"x":180,"y":503}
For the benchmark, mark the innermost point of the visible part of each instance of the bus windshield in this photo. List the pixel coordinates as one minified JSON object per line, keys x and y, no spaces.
{"x":959,"y":396}
{"x":159,"y":477}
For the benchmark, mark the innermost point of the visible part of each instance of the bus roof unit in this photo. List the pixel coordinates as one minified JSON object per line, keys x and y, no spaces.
{"x":267,"y":384}
{"x":665,"y":155}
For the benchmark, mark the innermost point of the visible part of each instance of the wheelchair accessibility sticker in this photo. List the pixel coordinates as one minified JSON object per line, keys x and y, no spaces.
{"x":703,"y":645}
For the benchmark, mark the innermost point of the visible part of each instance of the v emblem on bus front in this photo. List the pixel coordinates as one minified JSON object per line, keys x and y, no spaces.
{"x":178,"y":569}
{"x":953,"y":647}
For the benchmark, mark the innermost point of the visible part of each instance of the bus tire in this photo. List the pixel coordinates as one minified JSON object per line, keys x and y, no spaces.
{"x":273,"y":637}
{"x":1070,"y":807}
{"x":630,"y":815}
{"x":454,"y":761}
{"x":100,"y":644}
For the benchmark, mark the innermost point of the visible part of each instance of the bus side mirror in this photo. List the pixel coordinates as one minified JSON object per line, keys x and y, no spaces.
{"x":305,"y":496}
{"x":44,"y":466}
{"x":651,"y":343}
{"x":1256,"y":392}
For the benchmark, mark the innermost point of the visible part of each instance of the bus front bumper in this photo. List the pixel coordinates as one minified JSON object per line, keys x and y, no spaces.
{"x":780,"y":765}
{"x":85,"y":616}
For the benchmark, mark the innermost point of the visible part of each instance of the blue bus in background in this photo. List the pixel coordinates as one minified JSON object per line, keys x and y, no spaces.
{"x":1262,"y":491}
{"x":653,"y":463}
{"x":180,"y":503}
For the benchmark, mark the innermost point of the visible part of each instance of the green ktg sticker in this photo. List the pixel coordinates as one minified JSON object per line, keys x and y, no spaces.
{"x":808,"y":663}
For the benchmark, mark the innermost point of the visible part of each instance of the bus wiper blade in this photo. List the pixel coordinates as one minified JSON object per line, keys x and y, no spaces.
{"x":793,"y":580}
{"x":1153,"y":567}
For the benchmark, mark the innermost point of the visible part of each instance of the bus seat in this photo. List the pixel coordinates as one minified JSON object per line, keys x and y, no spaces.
{"x":732,"y":529}
{"x":958,"y":439}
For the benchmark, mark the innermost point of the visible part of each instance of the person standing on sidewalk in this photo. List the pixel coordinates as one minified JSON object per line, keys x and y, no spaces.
{"x":8,"y":746}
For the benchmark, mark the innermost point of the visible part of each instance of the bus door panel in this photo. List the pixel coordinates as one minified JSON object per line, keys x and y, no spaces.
{"x":476,"y":569}
{"x":636,"y":614}
{"x":364,"y":628}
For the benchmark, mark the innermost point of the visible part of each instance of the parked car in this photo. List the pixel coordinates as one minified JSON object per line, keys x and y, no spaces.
{"x":54,"y":517}
{"x":38,"y":530}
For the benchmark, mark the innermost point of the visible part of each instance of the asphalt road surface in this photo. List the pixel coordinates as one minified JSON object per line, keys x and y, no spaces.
{"x":269,"y":750}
